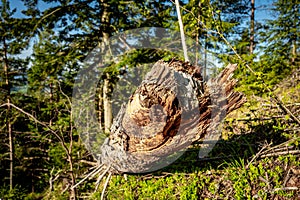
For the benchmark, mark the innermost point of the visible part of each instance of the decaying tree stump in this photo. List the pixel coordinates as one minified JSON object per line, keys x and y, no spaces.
{"x":172,"y":108}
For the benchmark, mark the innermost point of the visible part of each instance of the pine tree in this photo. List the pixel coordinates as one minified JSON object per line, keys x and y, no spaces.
{"x":67,"y":33}
{"x":13,"y":34}
{"x":206,"y":20}
{"x":281,"y":36}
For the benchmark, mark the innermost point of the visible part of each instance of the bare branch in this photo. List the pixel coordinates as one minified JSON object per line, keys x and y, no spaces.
{"x":105,"y":185}
{"x":101,"y":177}
{"x":280,"y":153}
{"x":90,"y":175}
{"x":33,"y":118}
{"x":181,"y":31}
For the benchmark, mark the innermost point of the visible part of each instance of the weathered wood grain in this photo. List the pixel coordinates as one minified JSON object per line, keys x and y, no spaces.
{"x":171,"y":108}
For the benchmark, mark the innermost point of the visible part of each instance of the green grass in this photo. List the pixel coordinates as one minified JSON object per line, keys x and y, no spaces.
{"x":235,"y":169}
{"x":261,"y":179}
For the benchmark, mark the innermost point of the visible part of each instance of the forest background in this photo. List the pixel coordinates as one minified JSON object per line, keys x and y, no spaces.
{"x":43,"y":44}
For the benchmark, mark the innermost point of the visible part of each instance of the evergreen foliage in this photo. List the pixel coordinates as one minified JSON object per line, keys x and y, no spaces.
{"x":45,"y":156}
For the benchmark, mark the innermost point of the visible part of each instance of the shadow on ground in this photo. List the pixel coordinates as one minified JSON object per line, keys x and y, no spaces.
{"x":226,"y":152}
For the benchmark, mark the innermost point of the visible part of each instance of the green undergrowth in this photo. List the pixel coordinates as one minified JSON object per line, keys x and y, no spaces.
{"x":256,"y":158}
{"x":234,"y":179}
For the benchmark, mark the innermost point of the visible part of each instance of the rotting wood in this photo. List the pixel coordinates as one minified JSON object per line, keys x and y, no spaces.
{"x":154,"y":124}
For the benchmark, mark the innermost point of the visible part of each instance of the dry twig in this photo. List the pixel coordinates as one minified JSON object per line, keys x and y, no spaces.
{"x":105,"y":185}
{"x":280,"y":153}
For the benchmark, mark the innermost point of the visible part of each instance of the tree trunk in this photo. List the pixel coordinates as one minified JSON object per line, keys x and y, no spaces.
{"x":73,"y":182}
{"x":99,"y":93}
{"x":252,"y":25}
{"x":8,"y":116}
{"x":171,"y":108}
{"x":51,"y":103}
{"x":205,"y":58}
{"x":70,"y":159}
{"x":181,"y":31}
{"x":294,"y":52}
{"x":107,"y":102}
{"x":294,"y":44}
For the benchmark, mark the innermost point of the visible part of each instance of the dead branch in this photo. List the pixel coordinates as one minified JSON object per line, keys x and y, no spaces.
{"x":105,"y":185}
{"x":280,"y":153}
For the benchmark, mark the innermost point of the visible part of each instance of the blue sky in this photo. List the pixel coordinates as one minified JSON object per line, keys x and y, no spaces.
{"x":262,"y":12}
{"x":263,"y":9}
{"x":18,"y":4}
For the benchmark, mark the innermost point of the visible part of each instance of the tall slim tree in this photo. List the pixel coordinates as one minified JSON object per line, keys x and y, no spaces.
{"x":12,"y":72}
{"x":203,"y":19}
{"x":252,"y":24}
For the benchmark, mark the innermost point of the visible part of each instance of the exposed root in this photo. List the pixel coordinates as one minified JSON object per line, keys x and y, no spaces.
{"x":105,"y":185}
{"x":101,"y":177}
{"x":90,"y":175}
{"x":102,"y":170}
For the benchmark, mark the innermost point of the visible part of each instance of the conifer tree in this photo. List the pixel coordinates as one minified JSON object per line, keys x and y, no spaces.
{"x":281,"y":36}
{"x":13,"y":34}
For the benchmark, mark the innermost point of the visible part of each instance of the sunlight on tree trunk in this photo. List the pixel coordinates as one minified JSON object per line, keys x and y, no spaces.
{"x":107,"y":103}
{"x":181,"y":31}
{"x":294,"y":51}
{"x":252,"y":18}
{"x":8,"y":115}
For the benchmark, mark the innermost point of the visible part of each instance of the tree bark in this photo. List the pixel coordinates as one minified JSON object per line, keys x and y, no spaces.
{"x":252,"y":25}
{"x":181,"y":27}
{"x":294,"y":45}
{"x":70,"y":159}
{"x":294,"y":52}
{"x":172,"y":108}
{"x":107,"y":102}
{"x":8,"y":116}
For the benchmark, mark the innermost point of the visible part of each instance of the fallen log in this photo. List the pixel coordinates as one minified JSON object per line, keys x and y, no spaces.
{"x":172,"y":108}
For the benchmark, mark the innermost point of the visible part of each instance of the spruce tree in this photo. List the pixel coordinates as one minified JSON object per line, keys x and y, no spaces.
{"x":281,"y":36}
{"x":13,"y":40}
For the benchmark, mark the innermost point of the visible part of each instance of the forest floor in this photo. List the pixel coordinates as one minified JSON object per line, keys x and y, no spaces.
{"x":256,"y":158}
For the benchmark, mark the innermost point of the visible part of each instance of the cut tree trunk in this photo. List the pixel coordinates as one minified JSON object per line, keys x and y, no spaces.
{"x":172,"y":108}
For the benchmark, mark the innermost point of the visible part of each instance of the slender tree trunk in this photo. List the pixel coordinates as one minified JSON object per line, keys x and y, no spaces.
{"x":198,"y":34}
{"x":197,"y":48}
{"x":294,"y":52}
{"x":294,"y":43}
{"x":205,"y":53}
{"x":100,"y":106}
{"x":73,"y":181}
{"x":51,"y":102}
{"x":205,"y":58}
{"x":107,"y":102}
{"x":70,"y":159}
{"x":11,"y":150}
{"x":181,"y":31}
{"x":252,"y":20}
{"x":8,"y":115}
